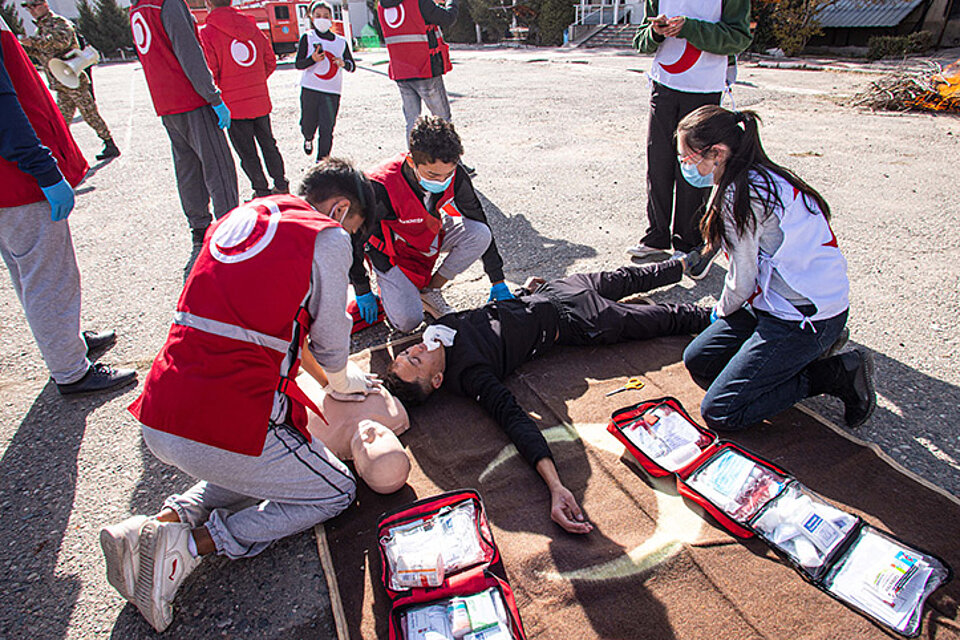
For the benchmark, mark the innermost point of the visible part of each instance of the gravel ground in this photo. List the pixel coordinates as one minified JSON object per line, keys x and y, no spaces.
{"x":558,"y":139}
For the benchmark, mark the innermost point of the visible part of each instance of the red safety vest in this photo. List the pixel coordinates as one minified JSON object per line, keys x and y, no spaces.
{"x":169,"y":86}
{"x":406,"y":35}
{"x":238,"y":330}
{"x":412,"y":241}
{"x":20,"y":188}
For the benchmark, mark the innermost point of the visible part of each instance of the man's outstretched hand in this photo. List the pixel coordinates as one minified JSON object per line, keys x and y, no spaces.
{"x":566,"y":512}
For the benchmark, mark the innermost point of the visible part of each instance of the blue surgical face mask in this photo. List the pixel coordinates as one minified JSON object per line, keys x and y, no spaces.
{"x":691,"y":175}
{"x":432,"y":185}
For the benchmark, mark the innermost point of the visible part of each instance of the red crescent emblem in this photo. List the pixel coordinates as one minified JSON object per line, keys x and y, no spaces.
{"x":258,"y":231}
{"x":689,"y":58}
{"x":331,"y":67}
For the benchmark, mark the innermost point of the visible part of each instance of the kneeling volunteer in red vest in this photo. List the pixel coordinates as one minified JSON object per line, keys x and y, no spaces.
{"x":220,"y":402}
{"x":425,"y":205}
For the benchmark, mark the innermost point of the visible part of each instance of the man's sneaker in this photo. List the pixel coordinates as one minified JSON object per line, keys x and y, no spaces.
{"x":121,"y":552}
{"x":698,"y":262}
{"x":165,"y":561}
{"x":641,"y":250}
{"x":856,"y":388}
{"x":434,"y":304}
{"x":308,"y":146}
{"x":838,"y":345}
{"x":99,"y":340}
{"x":99,"y":377}
{"x":110,"y":150}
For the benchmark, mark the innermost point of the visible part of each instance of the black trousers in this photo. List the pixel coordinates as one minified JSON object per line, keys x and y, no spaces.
{"x":667,"y":191}
{"x":592,"y":314}
{"x":318,"y":114}
{"x":246,"y":135}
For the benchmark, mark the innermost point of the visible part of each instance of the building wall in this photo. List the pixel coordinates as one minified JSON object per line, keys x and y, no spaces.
{"x":944,"y":18}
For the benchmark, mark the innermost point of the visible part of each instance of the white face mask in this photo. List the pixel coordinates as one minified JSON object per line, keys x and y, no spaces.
{"x":322,"y":24}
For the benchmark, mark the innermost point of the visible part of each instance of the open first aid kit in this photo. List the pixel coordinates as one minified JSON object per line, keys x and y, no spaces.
{"x":867,"y":569}
{"x":443,"y":572}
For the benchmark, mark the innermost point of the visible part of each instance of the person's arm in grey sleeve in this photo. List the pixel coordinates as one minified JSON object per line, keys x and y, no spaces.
{"x":743,"y":253}
{"x":179,"y":25}
{"x":327,"y":305}
{"x":444,"y":16}
{"x":348,"y":62}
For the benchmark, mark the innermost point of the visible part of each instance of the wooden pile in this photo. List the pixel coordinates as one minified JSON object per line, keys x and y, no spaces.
{"x":930,"y":89}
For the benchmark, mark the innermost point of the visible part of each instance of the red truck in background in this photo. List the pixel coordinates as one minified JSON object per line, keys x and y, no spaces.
{"x":282,"y":22}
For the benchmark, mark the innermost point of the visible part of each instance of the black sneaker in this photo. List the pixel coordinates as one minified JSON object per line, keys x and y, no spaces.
{"x":99,"y":341}
{"x":856,"y":389}
{"x":308,"y":146}
{"x":110,"y":150}
{"x":99,"y":377}
{"x":698,"y":262}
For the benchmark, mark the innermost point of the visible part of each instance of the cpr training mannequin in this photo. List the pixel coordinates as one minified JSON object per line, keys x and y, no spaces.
{"x":364,"y":431}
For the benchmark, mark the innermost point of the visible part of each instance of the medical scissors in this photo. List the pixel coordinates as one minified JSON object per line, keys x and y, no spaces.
{"x":633,"y":383}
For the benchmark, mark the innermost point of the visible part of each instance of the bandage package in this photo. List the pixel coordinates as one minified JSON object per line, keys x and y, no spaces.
{"x":479,"y":616}
{"x":666,"y":436}
{"x":736,"y":484}
{"x":803,"y":526}
{"x":421,"y":552}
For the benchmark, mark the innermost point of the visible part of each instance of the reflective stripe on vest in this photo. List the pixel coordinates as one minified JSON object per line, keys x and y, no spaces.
{"x":421,"y":37}
{"x":233,"y":331}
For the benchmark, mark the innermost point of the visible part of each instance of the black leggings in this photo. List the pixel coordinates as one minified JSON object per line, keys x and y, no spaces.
{"x":318,"y":114}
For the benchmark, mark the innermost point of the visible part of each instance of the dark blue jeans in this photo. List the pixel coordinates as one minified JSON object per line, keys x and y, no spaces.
{"x":752,"y":365}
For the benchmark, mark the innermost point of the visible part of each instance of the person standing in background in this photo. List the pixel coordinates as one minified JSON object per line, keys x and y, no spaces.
{"x":55,"y":38}
{"x":191,"y":109}
{"x":241,"y":59}
{"x":692,"y":39}
{"x":39,"y":166}
{"x":323,"y":56}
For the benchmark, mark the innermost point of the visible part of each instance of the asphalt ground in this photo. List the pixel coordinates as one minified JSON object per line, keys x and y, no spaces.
{"x":558,"y":140}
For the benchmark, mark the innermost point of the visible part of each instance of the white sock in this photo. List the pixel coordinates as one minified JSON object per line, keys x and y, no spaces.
{"x":192,"y":546}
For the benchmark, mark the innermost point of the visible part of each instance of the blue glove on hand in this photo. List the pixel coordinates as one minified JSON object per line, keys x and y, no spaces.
{"x":61,"y":199}
{"x":223,"y":115}
{"x":367,"y":304}
{"x":499,"y":291}
{"x":713,"y":315}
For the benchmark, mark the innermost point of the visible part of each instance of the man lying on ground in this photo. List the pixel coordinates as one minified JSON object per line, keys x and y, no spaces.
{"x":471,"y":352}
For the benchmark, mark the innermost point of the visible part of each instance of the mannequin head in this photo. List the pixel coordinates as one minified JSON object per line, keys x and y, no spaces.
{"x":379,"y":457}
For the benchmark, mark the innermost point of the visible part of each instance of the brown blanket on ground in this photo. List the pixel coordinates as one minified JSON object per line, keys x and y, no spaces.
{"x":655,"y":567}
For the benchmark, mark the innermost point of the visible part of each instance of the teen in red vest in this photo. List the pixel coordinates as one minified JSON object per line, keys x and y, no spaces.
{"x":425,"y":205}
{"x":191,"y":109}
{"x":39,"y":166}
{"x":241,"y":59}
{"x":220,"y":402}
{"x":418,"y":55}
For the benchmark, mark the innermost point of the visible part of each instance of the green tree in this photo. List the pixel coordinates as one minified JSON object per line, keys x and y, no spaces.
{"x":88,"y":25}
{"x":492,"y":17}
{"x":553,"y":18}
{"x":464,"y":29}
{"x":113,"y":27}
{"x":9,"y":13}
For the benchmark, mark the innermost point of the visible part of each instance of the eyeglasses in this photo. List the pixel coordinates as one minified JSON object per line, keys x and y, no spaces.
{"x":695,"y":157}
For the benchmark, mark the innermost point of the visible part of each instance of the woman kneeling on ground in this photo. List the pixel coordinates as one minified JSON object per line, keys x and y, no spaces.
{"x":782,"y":314}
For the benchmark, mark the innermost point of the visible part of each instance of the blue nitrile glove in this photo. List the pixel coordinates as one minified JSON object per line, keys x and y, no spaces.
{"x":367,"y":303}
{"x":61,"y":199}
{"x":223,"y":115}
{"x":713,"y":315}
{"x":499,"y":291}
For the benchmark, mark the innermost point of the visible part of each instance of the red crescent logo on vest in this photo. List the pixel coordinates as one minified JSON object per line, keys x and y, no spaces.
{"x":243,"y":234}
{"x":244,"y":52}
{"x":689,"y":58}
{"x":141,"y":33}
{"x":331,"y":69}
{"x":393,"y":16}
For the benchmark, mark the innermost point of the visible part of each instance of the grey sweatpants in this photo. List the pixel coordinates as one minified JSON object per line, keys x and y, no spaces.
{"x":431,"y":91}
{"x":204,"y":165}
{"x":43,"y":267}
{"x":463,"y":243}
{"x":247,"y":502}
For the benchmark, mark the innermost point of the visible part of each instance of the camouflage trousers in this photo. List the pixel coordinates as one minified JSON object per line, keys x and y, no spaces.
{"x":71,"y":100}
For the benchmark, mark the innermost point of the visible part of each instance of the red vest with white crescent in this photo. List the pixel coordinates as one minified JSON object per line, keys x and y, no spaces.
{"x":405,"y":34}
{"x":170,"y":88}
{"x":412,"y":241}
{"x":18,"y":187}
{"x":238,"y":329}
{"x":682,"y":66}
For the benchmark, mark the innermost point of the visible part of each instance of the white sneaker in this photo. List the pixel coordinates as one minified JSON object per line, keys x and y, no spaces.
{"x":641,"y":250}
{"x":434,"y":304}
{"x":121,"y":552}
{"x":165,"y":560}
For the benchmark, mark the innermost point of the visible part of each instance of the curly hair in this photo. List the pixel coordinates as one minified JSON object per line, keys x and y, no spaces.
{"x":338,"y":178}
{"x":433,"y":138}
